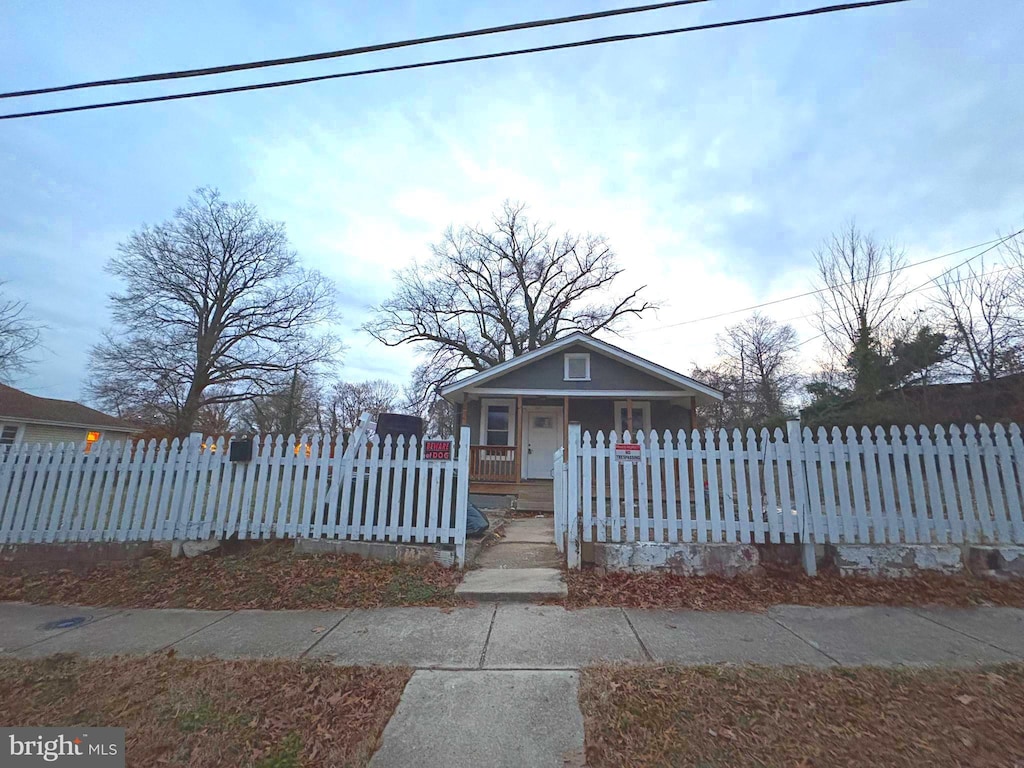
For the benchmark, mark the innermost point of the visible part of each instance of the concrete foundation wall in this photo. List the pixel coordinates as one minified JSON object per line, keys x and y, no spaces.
{"x":726,"y":560}
{"x":75,"y":557}
{"x":377,"y":550}
{"x":996,"y":561}
{"x":896,"y":560}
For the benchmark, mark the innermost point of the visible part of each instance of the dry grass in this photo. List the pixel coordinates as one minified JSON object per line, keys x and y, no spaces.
{"x":268,"y":576}
{"x":782,"y":586}
{"x":210,"y":713}
{"x":711,"y":717}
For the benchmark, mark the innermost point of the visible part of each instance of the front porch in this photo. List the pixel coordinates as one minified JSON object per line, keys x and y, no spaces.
{"x":514,"y":438}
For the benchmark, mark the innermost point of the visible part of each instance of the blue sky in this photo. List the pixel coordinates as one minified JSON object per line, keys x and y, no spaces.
{"x":715,"y":162}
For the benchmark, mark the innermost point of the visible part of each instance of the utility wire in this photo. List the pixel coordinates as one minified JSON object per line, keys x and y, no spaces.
{"x":929,"y":281}
{"x":204,"y":71}
{"x":459,"y":59}
{"x":816,"y":291}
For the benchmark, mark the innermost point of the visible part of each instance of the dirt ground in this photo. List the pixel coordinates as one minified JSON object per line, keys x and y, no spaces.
{"x":782,"y":586}
{"x":269,"y":576}
{"x":176,"y":712}
{"x":728,"y":717}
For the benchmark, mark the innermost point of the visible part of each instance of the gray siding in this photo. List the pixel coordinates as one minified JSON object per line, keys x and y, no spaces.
{"x":605,"y":373}
{"x":595,"y":414}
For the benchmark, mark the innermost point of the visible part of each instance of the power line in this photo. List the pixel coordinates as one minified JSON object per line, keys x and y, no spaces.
{"x":816,"y":291}
{"x":458,"y":60}
{"x":205,"y":71}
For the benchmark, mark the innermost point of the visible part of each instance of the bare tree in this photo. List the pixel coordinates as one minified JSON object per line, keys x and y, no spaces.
{"x":346,"y":401}
{"x":1013,"y":253}
{"x":215,"y":310}
{"x":420,"y":398}
{"x":758,"y":356}
{"x":19,"y":335}
{"x":490,"y":294}
{"x":979,"y":313}
{"x":293,"y":409}
{"x":860,"y":290}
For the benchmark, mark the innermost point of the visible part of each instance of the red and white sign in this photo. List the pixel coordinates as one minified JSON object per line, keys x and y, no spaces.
{"x":627,"y":452}
{"x":437,"y":450}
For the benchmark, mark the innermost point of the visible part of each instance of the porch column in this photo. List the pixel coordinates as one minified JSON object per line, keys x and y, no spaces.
{"x":462,"y":410}
{"x":693,"y":413}
{"x":519,"y":438}
{"x":629,"y":416}
{"x":565,"y":421}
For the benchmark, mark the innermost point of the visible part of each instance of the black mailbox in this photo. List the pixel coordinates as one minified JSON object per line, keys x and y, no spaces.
{"x":241,"y":450}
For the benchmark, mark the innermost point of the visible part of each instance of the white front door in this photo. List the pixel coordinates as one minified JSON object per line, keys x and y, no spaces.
{"x":542,"y":433}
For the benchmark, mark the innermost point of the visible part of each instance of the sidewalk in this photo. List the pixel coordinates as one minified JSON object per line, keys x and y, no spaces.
{"x":497,"y":685}
{"x":530,"y":637}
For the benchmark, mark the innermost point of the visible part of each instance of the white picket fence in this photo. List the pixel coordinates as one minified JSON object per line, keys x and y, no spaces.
{"x":915,"y":485}
{"x":368,"y":489}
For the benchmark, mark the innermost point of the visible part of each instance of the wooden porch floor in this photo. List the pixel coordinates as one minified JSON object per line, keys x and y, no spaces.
{"x":532,"y":495}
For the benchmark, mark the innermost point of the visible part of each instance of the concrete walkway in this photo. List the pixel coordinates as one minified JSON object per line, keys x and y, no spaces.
{"x":524,"y":565}
{"x":496,"y":685}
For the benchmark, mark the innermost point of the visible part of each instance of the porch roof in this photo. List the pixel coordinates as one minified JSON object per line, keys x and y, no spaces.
{"x":684,"y":385}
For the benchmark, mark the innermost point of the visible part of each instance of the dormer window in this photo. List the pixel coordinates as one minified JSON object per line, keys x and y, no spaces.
{"x":577,"y":366}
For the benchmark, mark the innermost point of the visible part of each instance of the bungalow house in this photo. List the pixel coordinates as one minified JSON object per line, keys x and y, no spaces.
{"x":25,"y":418}
{"x":519,"y":411}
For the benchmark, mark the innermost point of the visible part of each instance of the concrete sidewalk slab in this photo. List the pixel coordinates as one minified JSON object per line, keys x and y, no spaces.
{"x":1001,"y":627}
{"x":550,"y":637}
{"x":418,"y":637}
{"x":493,"y":584}
{"x":484,"y":719}
{"x":700,"y":637}
{"x":261,"y":634}
{"x":884,"y":637}
{"x":131,"y":632}
{"x":23,"y":624}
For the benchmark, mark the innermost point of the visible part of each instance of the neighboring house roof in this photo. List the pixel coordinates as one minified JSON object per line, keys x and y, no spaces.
{"x":16,"y":405}
{"x":601,"y":347}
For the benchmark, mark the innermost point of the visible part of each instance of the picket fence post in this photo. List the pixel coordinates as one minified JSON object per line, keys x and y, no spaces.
{"x":462,"y":495}
{"x":799,"y":467}
{"x":573,"y":553}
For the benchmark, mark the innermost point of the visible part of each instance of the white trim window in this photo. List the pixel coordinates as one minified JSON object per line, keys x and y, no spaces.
{"x":9,"y":434}
{"x":497,"y":422}
{"x":576,"y":366}
{"x":641,"y":417}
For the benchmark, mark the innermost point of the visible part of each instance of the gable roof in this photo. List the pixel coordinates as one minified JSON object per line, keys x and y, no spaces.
{"x":21,"y":406}
{"x":585,"y":340}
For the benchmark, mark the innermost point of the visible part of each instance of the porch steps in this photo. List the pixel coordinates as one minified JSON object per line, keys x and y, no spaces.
{"x":537,"y":496}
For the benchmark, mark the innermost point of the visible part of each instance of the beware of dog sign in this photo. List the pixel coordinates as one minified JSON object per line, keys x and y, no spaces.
{"x":437,"y":450}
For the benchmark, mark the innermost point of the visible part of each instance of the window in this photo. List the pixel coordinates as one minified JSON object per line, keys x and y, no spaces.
{"x":497,"y":422}
{"x":577,"y":366}
{"x":8,"y":436}
{"x":90,"y":438}
{"x":641,"y":417}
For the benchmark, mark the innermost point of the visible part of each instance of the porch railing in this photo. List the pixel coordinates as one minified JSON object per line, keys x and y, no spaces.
{"x":493,"y":463}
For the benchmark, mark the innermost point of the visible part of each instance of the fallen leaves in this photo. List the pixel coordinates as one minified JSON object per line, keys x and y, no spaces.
{"x":210,"y":713}
{"x":269,"y":576}
{"x":782,"y":586}
{"x":757,"y":716}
